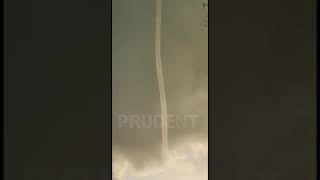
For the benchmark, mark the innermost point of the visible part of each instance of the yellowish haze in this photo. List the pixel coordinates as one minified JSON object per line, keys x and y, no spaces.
{"x":137,"y":149}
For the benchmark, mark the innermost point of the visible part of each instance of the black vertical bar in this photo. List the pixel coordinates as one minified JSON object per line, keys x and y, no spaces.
{"x":262,"y":89}
{"x":57,"y":89}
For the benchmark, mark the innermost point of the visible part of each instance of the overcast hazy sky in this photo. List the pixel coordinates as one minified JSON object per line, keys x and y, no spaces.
{"x":137,"y":151}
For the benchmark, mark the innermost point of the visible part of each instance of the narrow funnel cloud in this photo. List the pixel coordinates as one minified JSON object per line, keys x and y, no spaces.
{"x":163,"y":100}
